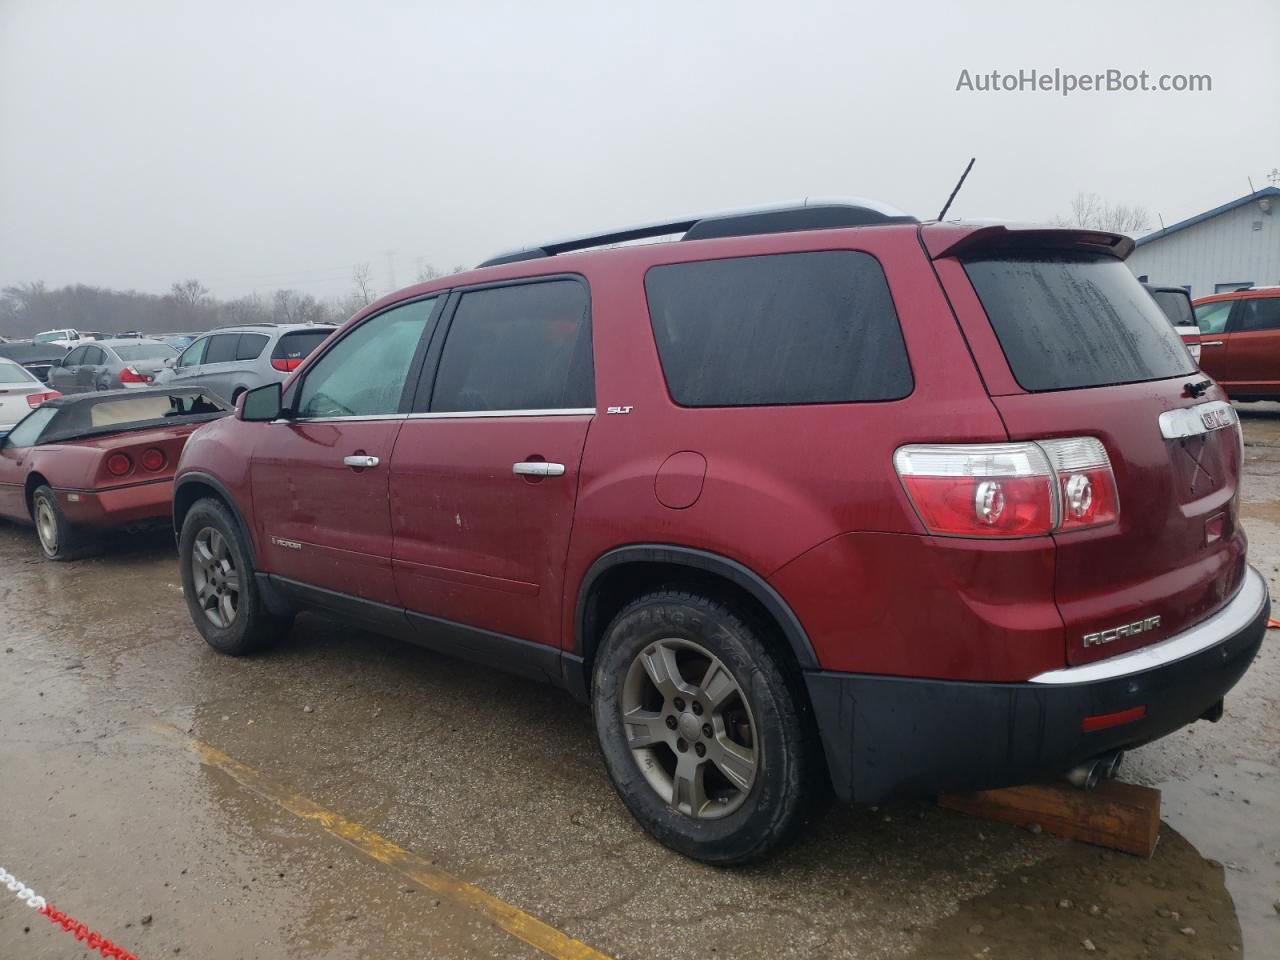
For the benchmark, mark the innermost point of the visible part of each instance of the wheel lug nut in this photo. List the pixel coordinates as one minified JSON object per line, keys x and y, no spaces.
{"x":671,"y":723}
{"x":679,"y":704}
{"x":681,"y":745}
{"x":706,"y":729}
{"x":700,"y":749}
{"x":697,"y":708}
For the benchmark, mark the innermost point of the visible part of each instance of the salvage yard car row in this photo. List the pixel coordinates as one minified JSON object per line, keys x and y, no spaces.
{"x":817,"y":498}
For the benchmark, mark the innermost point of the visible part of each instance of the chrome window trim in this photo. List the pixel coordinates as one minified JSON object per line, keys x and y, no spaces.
{"x":351,"y":419}
{"x":1241,"y":611}
{"x":454,"y":415}
{"x":475,"y":414}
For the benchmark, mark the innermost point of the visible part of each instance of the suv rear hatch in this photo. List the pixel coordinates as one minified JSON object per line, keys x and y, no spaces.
{"x":1070,"y":345}
{"x":294,"y":347}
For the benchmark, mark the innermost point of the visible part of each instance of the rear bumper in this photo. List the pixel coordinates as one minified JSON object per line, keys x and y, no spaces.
{"x":896,"y":737}
{"x":119,"y":506}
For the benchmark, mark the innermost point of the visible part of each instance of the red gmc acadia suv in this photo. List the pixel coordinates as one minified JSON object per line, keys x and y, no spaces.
{"x":816,"y":495}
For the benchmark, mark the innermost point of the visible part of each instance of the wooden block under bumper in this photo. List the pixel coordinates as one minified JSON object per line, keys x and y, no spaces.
{"x":1122,"y":816}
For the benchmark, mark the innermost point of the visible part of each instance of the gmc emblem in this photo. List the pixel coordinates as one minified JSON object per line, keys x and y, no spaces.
{"x":1124,"y":630}
{"x":1216,"y":418}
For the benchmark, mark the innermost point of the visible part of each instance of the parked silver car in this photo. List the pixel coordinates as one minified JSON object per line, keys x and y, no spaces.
{"x":20,"y":393}
{"x":231,"y":360}
{"x":110,"y":365}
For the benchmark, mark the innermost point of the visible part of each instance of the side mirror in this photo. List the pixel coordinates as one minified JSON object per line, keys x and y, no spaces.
{"x":56,"y":361}
{"x":260,"y":404}
{"x":170,"y":362}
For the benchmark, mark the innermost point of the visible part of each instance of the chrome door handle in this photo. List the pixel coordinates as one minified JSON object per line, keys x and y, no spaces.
{"x":537,"y":468}
{"x":1211,"y":343}
{"x":360,"y":461}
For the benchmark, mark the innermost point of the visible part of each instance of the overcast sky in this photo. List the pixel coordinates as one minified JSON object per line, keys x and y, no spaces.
{"x":266,"y":144}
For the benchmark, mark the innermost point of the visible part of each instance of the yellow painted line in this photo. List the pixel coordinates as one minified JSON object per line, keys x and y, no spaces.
{"x":512,"y":919}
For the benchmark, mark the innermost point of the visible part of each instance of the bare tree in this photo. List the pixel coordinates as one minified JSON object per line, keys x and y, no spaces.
{"x":1094,"y":213}
{"x":189,"y":293}
{"x":427,"y":272}
{"x":362,"y":277}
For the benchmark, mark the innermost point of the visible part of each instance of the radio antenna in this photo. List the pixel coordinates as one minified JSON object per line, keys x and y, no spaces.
{"x":957,"y":189}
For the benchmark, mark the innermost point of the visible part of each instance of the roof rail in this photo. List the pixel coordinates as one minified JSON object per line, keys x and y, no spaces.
{"x":811,"y":213}
{"x":228,"y":326}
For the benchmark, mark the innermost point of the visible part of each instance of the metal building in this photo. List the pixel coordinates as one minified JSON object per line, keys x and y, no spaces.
{"x":1231,"y":246}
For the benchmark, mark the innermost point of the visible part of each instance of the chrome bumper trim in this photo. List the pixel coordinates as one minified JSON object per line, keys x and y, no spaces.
{"x":1243,"y":608}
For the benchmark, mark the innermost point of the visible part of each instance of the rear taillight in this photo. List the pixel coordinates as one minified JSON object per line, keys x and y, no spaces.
{"x":1086,"y":486}
{"x":131,"y":375}
{"x":286,"y":364}
{"x":35,"y":399}
{"x":152,"y":459}
{"x":118,"y":464}
{"x":1009,"y":489}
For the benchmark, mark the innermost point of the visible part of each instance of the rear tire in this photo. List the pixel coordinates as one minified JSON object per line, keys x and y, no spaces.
{"x":218,"y":583}
{"x":718,"y":760}
{"x":59,"y":539}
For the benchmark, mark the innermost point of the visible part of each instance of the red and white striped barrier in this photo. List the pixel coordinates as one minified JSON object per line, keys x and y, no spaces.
{"x":90,"y":938}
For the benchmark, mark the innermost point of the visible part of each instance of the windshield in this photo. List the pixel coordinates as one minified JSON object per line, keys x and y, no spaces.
{"x":145,"y":351}
{"x":1068,"y":320}
{"x":27,"y":432}
{"x":49,"y":336}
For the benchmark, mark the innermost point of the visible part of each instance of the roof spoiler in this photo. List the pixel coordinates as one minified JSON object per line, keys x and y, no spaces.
{"x":960,"y":239}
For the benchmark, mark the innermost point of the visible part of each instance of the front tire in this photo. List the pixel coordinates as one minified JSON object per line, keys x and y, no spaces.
{"x":218,"y":583}
{"x":704,"y":734}
{"x":59,"y":539}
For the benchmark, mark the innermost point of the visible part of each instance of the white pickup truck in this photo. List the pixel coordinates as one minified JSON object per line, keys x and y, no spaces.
{"x":62,"y":338}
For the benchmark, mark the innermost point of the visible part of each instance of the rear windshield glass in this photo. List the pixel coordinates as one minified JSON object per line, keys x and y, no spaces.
{"x":783,"y":329}
{"x":295,"y":346}
{"x":145,"y":351}
{"x":1076,"y":320}
{"x":12,"y":373}
{"x":1176,"y":306}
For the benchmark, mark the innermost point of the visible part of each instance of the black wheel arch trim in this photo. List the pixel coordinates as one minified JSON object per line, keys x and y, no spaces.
{"x":707,"y":562}
{"x":208,"y":480}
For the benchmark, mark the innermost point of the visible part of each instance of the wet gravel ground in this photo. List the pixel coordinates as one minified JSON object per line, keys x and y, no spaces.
{"x":497,"y":781}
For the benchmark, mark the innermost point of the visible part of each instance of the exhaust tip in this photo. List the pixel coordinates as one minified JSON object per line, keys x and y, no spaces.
{"x":1113,"y":764}
{"x":1085,"y":776}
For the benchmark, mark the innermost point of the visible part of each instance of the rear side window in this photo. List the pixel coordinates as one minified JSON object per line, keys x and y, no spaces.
{"x":250,"y":346}
{"x":525,"y":347}
{"x":789,"y":328}
{"x":1259,"y":313}
{"x":221,"y":348}
{"x":297,"y":346}
{"x":1069,"y":320}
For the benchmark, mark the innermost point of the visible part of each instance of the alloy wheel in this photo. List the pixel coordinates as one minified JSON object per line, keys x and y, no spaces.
{"x":215,"y":577}
{"x":690,"y":728}
{"x":46,"y":526}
